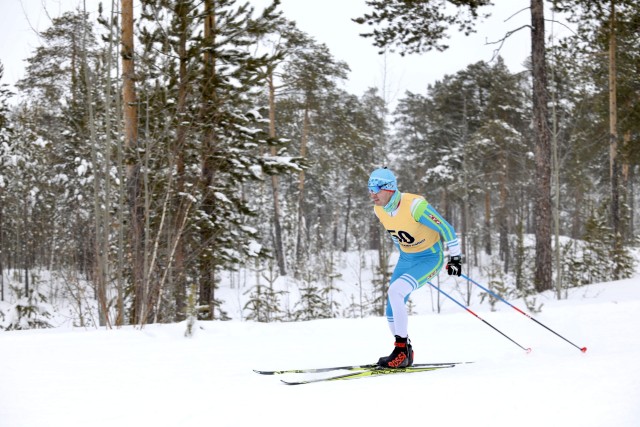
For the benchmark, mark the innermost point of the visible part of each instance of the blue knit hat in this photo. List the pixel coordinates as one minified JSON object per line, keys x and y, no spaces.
{"x":382,"y":179}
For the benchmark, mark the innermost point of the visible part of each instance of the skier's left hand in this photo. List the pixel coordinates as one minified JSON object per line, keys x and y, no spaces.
{"x":454,"y":266}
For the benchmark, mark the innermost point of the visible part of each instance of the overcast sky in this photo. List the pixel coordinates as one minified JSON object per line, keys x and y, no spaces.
{"x":329,"y":22}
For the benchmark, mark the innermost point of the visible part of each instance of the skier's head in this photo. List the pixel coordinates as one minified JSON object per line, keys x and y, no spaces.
{"x":382,"y":179}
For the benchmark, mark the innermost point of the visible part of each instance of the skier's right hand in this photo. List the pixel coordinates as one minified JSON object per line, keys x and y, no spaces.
{"x":454,"y":266}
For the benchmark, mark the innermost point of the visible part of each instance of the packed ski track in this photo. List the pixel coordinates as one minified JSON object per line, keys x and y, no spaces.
{"x":156,"y":377}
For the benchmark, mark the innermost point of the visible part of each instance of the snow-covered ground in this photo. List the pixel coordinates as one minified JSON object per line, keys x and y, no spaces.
{"x":157,"y":377}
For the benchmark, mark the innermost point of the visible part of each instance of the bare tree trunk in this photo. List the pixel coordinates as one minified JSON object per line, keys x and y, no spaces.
{"x":130,"y":117}
{"x":556,"y":187}
{"x":466,"y":246}
{"x":100,"y":260}
{"x":614,"y":167}
{"x":122,"y":196}
{"x":277,"y":228}
{"x":347,"y":214}
{"x":207,"y":264}
{"x":576,"y":223}
{"x":487,"y":222}
{"x":465,"y":198}
{"x":543,"y":263}
{"x":503,"y":225}
{"x":179,"y":279}
{"x":626,"y":140}
{"x":178,"y":235}
{"x":24,"y":245}
{"x":627,"y":185}
{"x":300,"y":225}
{"x":119,"y":317}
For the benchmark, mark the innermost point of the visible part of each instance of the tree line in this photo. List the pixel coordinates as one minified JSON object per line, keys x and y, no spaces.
{"x":148,"y":156}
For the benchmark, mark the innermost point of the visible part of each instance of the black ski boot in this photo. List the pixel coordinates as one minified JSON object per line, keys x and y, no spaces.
{"x":401,"y":357}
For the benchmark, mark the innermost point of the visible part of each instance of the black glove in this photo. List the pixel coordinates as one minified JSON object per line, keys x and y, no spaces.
{"x":454,"y":266}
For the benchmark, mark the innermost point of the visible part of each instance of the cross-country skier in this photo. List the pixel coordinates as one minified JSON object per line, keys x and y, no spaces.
{"x":417,"y":230}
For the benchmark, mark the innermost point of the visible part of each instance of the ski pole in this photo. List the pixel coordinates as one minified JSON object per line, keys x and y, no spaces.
{"x":582,"y":349}
{"x":528,"y":350}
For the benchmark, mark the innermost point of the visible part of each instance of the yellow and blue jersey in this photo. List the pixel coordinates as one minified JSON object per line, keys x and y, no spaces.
{"x":415,"y":226}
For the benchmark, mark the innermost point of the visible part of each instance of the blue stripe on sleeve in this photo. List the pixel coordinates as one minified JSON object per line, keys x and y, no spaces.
{"x":432,"y":219}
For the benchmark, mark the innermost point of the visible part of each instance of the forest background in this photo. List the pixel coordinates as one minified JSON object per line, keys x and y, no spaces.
{"x":149,"y":154}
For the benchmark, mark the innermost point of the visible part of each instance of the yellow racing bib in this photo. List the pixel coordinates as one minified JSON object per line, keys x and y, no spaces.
{"x":404,"y":229}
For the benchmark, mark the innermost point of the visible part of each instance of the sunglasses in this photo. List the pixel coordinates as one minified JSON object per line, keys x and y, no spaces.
{"x":376,"y":185}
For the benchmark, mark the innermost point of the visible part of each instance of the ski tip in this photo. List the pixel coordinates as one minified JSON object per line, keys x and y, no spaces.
{"x":528,"y":350}
{"x":257,"y":371}
{"x":583,"y":349}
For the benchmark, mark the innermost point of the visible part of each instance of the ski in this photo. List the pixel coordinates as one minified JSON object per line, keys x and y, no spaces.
{"x":371,"y":372}
{"x":349,"y":368}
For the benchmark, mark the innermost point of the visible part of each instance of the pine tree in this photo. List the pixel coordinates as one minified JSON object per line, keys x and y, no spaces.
{"x":310,"y":75}
{"x":30,"y":311}
{"x":210,"y":94}
{"x":596,"y":262}
{"x":474,"y":125}
{"x":418,"y":26}
{"x":611,"y":26}
{"x":312,"y":304}
{"x":496,"y":282}
{"x":264,"y":303}
{"x":53,"y":134}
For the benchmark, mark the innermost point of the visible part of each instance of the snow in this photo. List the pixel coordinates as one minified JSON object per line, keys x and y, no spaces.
{"x":155,"y":376}
{"x":40,"y":142}
{"x":220,"y":196}
{"x":83,"y":166}
{"x":254,"y":248}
